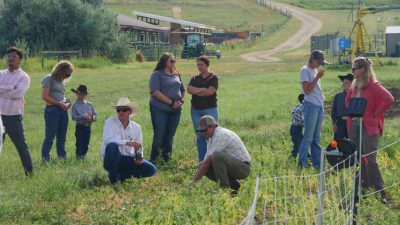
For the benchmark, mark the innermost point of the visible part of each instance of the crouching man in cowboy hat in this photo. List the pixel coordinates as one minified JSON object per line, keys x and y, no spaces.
{"x":227,"y":159}
{"x":122,"y":145}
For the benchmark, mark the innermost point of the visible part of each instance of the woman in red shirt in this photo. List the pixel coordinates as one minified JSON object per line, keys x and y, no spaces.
{"x":379,"y":100}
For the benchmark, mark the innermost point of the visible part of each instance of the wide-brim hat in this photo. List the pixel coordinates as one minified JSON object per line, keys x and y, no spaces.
{"x":348,"y":76}
{"x":319,"y":56}
{"x":81,"y":89}
{"x":125,"y":102}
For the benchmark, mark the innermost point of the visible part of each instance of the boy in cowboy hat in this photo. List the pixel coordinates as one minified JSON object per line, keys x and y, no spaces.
{"x":84,"y":114}
{"x":339,"y":114}
{"x":121,"y":148}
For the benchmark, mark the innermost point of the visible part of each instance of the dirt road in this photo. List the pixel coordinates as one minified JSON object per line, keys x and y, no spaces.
{"x":310,"y":25}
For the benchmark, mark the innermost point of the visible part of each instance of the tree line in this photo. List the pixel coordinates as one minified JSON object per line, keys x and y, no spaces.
{"x":62,"y":25}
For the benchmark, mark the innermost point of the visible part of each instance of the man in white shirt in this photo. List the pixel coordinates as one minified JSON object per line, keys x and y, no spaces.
{"x":14,"y":83}
{"x":121,"y":148}
{"x":227,"y":159}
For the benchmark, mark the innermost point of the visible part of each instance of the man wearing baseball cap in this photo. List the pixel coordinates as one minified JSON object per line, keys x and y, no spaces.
{"x":313,"y":108}
{"x":227,"y":159}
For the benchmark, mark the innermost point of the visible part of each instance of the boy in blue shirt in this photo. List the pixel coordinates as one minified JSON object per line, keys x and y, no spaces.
{"x":84,"y":114}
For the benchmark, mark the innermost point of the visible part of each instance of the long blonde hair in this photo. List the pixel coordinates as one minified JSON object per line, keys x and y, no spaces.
{"x":368,"y":73}
{"x":62,"y":70}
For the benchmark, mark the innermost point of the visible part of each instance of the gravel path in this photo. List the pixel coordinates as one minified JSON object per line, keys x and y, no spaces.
{"x":310,"y":25}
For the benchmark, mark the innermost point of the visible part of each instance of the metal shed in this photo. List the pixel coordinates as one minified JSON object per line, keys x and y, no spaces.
{"x":393,"y":41}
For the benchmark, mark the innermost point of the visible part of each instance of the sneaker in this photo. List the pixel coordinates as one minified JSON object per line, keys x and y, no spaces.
{"x":384,"y":197}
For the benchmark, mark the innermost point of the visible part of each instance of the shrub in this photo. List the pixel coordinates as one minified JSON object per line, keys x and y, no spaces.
{"x":119,"y":50}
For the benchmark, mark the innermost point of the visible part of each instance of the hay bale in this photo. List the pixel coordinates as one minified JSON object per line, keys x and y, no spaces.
{"x":139,"y":56}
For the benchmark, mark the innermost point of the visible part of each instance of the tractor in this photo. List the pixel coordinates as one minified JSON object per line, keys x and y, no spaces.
{"x":195,"y":45}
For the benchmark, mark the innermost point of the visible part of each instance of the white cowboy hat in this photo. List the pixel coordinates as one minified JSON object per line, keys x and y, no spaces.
{"x":124,"y":102}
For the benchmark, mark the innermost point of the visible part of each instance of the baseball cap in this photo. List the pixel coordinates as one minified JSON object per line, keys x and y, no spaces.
{"x":206,"y":122}
{"x":319,"y":56}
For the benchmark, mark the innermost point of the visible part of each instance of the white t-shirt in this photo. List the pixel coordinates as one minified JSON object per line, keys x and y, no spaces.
{"x":315,"y":97}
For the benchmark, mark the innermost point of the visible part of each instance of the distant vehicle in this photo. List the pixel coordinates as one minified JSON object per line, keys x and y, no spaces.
{"x":195,"y":45}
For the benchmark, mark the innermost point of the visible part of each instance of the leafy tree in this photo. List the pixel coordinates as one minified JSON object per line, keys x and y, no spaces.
{"x":58,"y":25}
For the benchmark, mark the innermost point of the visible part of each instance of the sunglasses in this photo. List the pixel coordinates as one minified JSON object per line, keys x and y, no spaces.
{"x":122,"y":110}
{"x":172,"y":61}
{"x":353,"y":69}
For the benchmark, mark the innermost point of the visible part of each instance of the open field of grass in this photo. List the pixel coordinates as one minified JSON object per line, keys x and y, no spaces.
{"x":337,"y":4}
{"x":222,"y":14}
{"x":254,"y":100}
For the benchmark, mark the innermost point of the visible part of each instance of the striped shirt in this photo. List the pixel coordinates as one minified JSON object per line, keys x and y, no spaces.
{"x":224,"y":140}
{"x":13,"y":86}
{"x":297,"y":115}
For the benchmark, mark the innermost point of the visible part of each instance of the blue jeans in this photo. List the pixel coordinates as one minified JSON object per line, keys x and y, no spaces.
{"x":313,"y":117}
{"x":82,"y":135}
{"x":121,"y":167}
{"x":201,"y":140}
{"x":296,"y":132}
{"x":164,"y":129}
{"x":56,"y":122}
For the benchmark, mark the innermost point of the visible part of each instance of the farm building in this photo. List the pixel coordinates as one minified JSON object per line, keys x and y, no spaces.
{"x":393,"y":41}
{"x":142,"y":32}
{"x":178,"y":27}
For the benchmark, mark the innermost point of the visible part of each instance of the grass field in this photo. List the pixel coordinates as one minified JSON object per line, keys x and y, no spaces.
{"x":222,"y":14}
{"x":254,"y":100}
{"x":337,"y":4}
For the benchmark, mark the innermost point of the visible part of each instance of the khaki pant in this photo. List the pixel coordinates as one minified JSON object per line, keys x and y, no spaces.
{"x":226,"y":170}
{"x":370,"y":174}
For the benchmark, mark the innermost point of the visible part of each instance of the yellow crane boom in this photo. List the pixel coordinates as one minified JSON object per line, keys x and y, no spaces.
{"x":359,"y":31}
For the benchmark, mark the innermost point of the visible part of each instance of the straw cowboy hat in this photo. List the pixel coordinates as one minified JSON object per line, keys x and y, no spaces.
{"x":124,"y":102}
